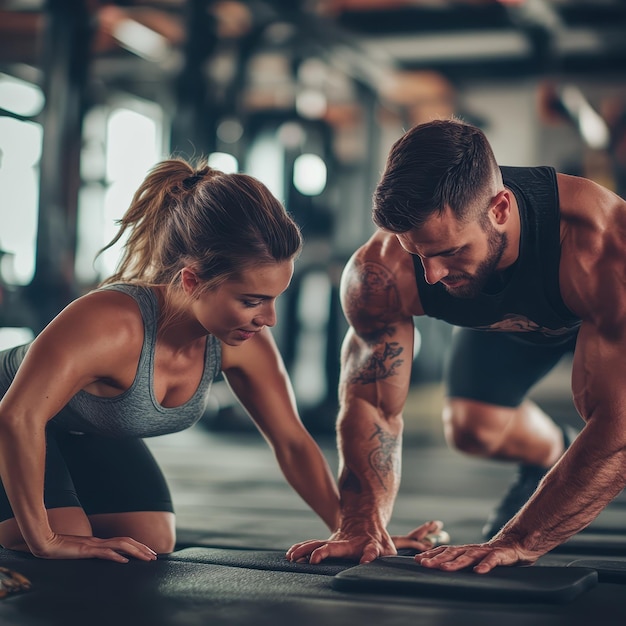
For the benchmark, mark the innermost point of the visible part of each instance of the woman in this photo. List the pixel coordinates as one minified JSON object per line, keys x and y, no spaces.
{"x":206,"y":256}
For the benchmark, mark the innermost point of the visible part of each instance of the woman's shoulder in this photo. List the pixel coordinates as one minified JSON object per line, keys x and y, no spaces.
{"x":119,"y":299}
{"x":144,"y":295}
{"x":102,"y":313}
{"x":93,"y":337}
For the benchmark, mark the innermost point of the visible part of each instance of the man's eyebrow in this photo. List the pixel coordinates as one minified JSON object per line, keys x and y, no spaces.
{"x":440,"y":252}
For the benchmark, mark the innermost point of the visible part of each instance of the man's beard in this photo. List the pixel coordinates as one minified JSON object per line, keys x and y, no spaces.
{"x":475,"y":283}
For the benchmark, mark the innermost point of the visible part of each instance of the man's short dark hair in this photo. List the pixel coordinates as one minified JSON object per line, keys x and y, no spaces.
{"x":439,"y":164}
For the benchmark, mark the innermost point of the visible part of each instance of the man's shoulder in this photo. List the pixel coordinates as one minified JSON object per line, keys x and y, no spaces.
{"x":593,"y":232}
{"x":585,"y":205}
{"x":381,"y":255}
{"x":382,"y":248}
{"x":381,"y":268}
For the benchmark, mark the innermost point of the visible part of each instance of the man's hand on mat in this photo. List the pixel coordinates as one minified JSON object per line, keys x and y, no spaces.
{"x":482,"y":556}
{"x":113,"y":549}
{"x":363,"y":547}
{"x":362,"y":543}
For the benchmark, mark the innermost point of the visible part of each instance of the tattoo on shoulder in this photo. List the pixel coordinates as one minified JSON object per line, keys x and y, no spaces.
{"x":382,"y":459}
{"x":375,"y":277}
{"x":372,"y":294}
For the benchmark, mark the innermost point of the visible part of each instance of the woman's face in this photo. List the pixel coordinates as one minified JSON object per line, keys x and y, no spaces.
{"x":238,"y":309}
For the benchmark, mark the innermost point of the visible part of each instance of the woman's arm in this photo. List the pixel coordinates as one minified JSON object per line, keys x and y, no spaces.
{"x":76,"y":349}
{"x":257,"y":376}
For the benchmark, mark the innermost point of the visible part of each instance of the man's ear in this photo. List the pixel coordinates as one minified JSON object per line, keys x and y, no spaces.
{"x":501,"y":206}
{"x":189,"y":280}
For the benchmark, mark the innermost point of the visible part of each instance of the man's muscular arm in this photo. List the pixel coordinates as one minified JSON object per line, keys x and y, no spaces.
{"x":588,"y":476}
{"x":593,"y":470}
{"x":370,"y":431}
{"x":376,"y":361}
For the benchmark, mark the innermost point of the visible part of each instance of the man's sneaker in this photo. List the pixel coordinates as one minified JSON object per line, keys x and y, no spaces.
{"x":526,"y":481}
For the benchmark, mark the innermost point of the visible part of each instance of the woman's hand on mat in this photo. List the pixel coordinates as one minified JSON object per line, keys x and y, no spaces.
{"x":482,"y":556}
{"x":114,"y":549}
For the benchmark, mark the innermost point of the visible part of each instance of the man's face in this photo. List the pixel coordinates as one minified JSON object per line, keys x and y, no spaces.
{"x":461,"y":256}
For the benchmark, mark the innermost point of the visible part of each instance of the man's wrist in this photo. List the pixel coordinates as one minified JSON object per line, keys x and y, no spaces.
{"x":362,"y":524}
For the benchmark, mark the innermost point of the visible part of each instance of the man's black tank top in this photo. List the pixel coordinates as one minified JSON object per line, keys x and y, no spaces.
{"x":530,"y":300}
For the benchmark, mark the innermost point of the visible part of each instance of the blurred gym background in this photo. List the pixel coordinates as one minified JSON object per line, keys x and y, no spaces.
{"x":306,"y":95}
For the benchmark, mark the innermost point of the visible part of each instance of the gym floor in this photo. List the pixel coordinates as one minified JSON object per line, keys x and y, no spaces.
{"x":237,"y":516}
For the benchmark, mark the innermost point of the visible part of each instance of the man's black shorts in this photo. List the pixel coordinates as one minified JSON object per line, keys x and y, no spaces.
{"x":500,"y":367}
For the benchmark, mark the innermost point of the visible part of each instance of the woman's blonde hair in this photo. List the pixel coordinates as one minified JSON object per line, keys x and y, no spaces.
{"x":193,"y":215}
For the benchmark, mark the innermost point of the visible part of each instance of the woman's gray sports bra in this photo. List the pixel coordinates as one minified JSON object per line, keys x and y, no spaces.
{"x":135,"y":412}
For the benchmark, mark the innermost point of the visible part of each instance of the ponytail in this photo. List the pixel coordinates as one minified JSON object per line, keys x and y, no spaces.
{"x":220,"y":223}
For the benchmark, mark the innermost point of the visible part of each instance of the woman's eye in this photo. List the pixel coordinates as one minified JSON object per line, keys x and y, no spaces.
{"x":252,"y":303}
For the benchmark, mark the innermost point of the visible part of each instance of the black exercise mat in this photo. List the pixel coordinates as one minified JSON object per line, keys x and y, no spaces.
{"x":609,"y":571}
{"x":402,"y":575}
{"x":228,"y":539}
{"x":159,"y":593}
{"x":175,"y":593}
{"x":597,"y":544}
{"x":271,"y":560}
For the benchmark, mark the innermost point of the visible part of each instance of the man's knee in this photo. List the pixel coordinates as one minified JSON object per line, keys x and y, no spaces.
{"x":474,"y":427}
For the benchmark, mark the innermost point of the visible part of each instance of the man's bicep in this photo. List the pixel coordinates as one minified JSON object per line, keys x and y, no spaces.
{"x":377,"y":353}
{"x":377,"y":370}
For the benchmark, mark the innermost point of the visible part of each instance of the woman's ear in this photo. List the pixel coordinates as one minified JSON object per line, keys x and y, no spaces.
{"x":189,"y":280}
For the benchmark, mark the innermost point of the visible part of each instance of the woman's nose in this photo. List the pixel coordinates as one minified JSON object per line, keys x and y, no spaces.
{"x":267,"y":317}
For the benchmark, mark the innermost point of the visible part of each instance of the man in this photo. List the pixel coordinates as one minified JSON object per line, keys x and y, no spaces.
{"x":538,"y":257}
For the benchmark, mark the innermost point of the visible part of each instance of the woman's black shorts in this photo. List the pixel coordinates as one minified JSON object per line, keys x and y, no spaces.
{"x":99,"y":474}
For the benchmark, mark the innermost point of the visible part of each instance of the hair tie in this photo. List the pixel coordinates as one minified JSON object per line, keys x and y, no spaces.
{"x":190,"y":181}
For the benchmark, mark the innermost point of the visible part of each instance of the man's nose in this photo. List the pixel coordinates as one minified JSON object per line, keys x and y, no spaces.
{"x":434,"y":270}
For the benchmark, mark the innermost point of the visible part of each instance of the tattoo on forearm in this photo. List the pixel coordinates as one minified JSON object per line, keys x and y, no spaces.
{"x":383,"y":458}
